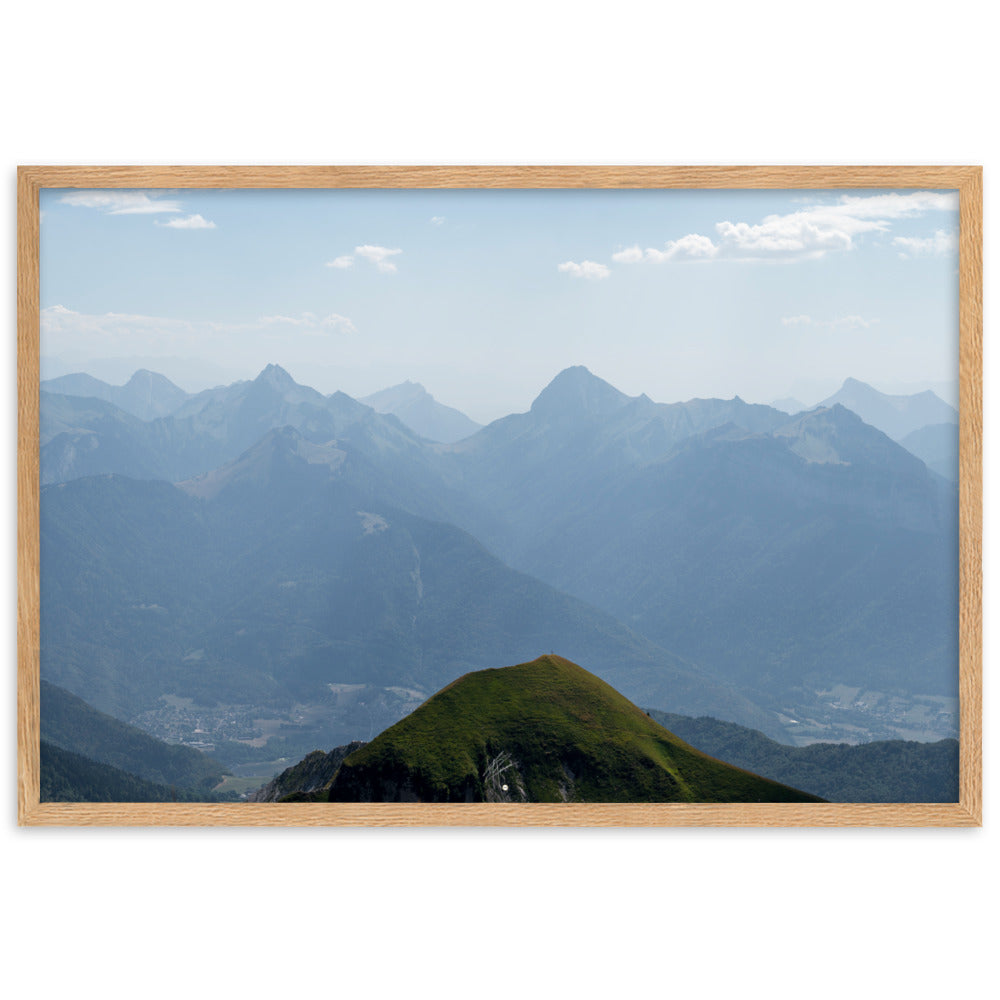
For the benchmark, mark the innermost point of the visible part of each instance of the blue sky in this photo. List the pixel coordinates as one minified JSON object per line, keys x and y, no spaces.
{"x":483,"y":296}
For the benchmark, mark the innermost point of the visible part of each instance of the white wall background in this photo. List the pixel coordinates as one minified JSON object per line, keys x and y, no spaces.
{"x":160,"y":913}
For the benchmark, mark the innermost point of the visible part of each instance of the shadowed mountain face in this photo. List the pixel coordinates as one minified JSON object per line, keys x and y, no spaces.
{"x":896,"y":416}
{"x":307,"y":780}
{"x":69,"y":777}
{"x":544,"y":731}
{"x":71,"y":724}
{"x":422,"y":413}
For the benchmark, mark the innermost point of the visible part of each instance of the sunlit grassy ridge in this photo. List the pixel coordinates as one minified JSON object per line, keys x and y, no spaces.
{"x":549,"y":731}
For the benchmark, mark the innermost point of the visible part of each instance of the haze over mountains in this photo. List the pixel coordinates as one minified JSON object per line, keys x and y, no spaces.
{"x":291,"y":570}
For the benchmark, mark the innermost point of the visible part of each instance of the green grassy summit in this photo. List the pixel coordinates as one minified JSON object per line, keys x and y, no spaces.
{"x":544,"y":731}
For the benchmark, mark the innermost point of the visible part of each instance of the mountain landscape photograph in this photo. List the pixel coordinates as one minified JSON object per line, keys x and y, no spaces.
{"x":499,"y":496}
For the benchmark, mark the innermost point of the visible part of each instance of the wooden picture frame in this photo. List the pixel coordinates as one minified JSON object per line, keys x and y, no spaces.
{"x":967,"y":180}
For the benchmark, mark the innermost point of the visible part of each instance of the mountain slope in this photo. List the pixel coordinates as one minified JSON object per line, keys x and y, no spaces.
{"x":580,"y":436}
{"x":422,"y":413}
{"x":71,"y":724}
{"x":82,"y":436}
{"x":70,"y":777}
{"x":822,"y":552}
{"x":543,"y":731}
{"x":937,"y":447}
{"x":307,"y":779}
{"x":882,"y":771}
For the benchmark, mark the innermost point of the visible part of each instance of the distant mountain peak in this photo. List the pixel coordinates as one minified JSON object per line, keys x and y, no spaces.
{"x":577,"y":391}
{"x":417,"y":409}
{"x":143,"y":376}
{"x":276,"y":376}
{"x":894,"y":415}
{"x":396,"y":396}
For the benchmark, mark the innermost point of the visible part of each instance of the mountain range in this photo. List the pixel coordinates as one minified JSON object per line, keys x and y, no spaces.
{"x":147,"y":395}
{"x":315,"y":569}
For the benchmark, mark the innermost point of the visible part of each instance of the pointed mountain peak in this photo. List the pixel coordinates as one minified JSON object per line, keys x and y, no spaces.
{"x":576,"y":392}
{"x":275,"y":376}
{"x":145,"y":377}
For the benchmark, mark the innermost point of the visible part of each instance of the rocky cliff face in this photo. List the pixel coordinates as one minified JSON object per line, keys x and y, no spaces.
{"x":312,"y":775}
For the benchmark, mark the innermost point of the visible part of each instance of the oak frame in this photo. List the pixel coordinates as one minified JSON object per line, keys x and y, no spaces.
{"x":967,"y":812}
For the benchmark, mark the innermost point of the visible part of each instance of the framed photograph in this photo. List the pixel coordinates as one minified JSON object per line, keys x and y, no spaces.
{"x":500,"y":496}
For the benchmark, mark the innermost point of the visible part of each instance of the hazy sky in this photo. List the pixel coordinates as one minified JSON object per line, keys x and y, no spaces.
{"x":484,"y":296}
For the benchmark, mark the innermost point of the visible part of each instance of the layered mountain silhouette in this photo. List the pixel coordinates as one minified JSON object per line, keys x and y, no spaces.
{"x":264,"y":542}
{"x":283,"y":573}
{"x":422,"y":413}
{"x":761,"y":546}
{"x":147,"y":395}
{"x":80,"y":437}
{"x":542,"y":731}
{"x":896,"y":416}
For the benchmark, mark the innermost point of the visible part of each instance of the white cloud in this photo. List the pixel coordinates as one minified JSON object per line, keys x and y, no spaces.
{"x":437,"y":220}
{"x":630,"y":255}
{"x":121,"y":202}
{"x":692,"y":247}
{"x":898,"y":206}
{"x":377,"y":256}
{"x":585,"y":269}
{"x":190,"y":222}
{"x":938,"y":245}
{"x":808,"y":234}
{"x":852,"y":322}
